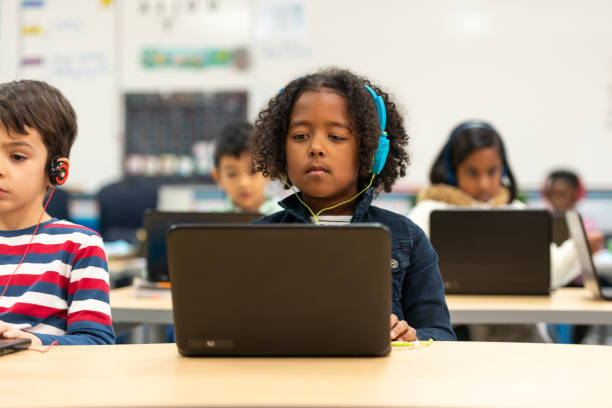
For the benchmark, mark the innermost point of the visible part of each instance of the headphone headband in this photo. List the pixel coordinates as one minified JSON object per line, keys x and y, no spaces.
{"x":472,"y":124}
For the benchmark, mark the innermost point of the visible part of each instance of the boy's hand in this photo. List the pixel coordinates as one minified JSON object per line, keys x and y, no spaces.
{"x":401,"y":331}
{"x":8,"y":332}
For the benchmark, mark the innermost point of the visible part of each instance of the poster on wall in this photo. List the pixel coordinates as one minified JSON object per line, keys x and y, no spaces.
{"x":195,"y":58}
{"x":282,"y":30}
{"x":183,"y":37}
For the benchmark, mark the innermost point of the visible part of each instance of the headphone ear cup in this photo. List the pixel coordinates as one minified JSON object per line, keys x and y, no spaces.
{"x":62,"y":174}
{"x":582,"y":192}
{"x":380,"y":156}
{"x":451,"y":178}
{"x":58,"y":172}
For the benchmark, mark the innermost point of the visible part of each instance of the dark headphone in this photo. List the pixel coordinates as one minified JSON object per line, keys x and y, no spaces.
{"x":451,"y":177}
{"x":58,"y":171}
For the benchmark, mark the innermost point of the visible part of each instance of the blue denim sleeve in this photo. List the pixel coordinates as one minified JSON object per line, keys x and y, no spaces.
{"x":423,"y":300}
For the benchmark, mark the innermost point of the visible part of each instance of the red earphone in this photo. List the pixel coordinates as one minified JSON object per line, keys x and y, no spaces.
{"x":58,"y":171}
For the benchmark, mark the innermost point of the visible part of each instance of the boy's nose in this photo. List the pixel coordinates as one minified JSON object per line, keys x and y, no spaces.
{"x":244,"y":180}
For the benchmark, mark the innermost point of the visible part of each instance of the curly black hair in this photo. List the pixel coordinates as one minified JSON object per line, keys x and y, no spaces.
{"x":272,"y":124}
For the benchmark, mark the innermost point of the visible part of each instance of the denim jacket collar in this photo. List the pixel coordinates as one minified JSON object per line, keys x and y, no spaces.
{"x":297,"y":209}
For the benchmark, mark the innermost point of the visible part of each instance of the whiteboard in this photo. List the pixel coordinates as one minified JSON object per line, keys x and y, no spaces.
{"x":540,"y":70}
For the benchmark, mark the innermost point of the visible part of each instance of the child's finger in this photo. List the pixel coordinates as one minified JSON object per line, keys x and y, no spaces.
{"x":394,"y":320}
{"x":4,"y":327}
{"x":408,"y":335}
{"x":13,"y":334}
{"x":399,"y":330}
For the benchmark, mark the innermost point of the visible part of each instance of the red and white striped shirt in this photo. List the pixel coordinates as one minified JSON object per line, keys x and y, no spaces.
{"x":60,"y":291}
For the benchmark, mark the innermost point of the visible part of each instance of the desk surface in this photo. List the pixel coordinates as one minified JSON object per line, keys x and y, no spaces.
{"x":567,"y":305}
{"x":441,"y":375}
{"x":127,"y":308}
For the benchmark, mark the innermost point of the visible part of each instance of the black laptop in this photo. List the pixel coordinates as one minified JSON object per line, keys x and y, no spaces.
{"x":560,"y":231}
{"x":281,"y":290}
{"x":590,"y":277}
{"x":157,"y":224}
{"x":493,"y":251}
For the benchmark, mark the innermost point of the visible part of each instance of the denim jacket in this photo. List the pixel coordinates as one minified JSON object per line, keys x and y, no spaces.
{"x":417,"y":289}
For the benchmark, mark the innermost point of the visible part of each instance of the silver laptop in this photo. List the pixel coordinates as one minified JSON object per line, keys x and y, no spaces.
{"x":589,"y":272}
{"x":281,"y":289}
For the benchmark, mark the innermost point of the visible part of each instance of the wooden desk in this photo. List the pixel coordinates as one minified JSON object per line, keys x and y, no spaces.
{"x":567,"y":305}
{"x":126,"y":308}
{"x":441,"y":375}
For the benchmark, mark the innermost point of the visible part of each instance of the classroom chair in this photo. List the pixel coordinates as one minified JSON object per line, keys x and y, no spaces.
{"x":122,"y":206}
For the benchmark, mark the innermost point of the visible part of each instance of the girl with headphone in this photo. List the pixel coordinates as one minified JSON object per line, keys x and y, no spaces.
{"x":340,"y":140}
{"x":472,"y":170}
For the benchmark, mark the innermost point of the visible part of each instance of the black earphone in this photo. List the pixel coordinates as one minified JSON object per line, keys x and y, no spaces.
{"x":58,"y":171}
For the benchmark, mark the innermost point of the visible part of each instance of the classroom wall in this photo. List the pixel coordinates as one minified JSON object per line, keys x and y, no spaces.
{"x":8,"y":39}
{"x":540,"y":71}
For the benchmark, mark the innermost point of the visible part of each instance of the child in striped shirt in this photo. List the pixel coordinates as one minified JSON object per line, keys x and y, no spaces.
{"x":53,"y":273}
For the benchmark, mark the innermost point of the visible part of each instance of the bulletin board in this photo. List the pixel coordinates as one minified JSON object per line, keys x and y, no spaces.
{"x":170,"y":137}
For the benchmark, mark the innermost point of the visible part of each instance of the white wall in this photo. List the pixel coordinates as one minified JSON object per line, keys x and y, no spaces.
{"x":8,"y":39}
{"x":540,"y":71}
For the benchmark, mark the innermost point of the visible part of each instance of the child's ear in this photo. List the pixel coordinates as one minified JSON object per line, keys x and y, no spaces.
{"x":215,"y":174}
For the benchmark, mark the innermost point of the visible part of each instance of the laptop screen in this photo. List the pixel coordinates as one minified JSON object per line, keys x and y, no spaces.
{"x":157,"y":224}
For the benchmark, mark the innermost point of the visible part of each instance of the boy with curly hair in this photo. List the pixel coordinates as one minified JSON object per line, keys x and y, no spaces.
{"x":320,"y":134}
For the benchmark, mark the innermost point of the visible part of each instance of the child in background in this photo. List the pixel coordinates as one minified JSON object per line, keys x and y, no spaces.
{"x":53,"y":273}
{"x":233,"y":173}
{"x":563,"y":190}
{"x":320,"y":134}
{"x":472,"y":170}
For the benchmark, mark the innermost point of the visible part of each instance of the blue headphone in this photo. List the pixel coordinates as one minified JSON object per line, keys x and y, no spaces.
{"x":380,"y":156}
{"x":382,"y":151}
{"x":451,"y":177}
